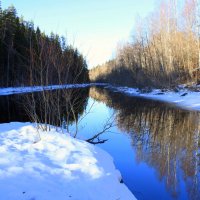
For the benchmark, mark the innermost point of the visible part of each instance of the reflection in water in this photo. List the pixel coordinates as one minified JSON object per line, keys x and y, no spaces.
{"x":49,"y":107}
{"x":12,"y":109}
{"x":163,"y":137}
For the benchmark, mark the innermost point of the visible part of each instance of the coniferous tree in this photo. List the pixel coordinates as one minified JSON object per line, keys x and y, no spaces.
{"x":30,"y":57}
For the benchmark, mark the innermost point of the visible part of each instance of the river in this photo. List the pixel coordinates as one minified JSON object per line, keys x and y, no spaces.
{"x":154,"y":145}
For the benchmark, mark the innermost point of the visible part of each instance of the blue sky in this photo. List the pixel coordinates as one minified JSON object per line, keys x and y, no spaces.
{"x":94,"y":26}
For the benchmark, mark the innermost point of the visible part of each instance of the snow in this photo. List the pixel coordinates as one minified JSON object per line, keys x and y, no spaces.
{"x":184,"y":98}
{"x":19,"y":90}
{"x":36,"y":165}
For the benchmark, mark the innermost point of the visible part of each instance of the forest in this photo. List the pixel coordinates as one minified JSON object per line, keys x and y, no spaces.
{"x":164,"y":50}
{"x":31,"y":57}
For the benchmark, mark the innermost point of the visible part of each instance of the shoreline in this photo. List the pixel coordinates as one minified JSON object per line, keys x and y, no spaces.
{"x":56,"y":166}
{"x":183,"y":98}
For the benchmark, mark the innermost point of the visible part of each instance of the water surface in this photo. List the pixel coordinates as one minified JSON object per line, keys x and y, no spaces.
{"x":154,"y":145}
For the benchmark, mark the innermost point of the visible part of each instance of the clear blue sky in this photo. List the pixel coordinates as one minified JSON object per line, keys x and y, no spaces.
{"x":94,"y":26}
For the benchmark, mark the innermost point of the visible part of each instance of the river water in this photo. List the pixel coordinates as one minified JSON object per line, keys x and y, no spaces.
{"x":154,"y":145}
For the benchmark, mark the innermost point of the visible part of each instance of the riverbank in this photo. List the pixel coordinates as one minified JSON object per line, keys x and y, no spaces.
{"x":51,"y":165}
{"x":181,"y":97}
{"x":30,"y":89}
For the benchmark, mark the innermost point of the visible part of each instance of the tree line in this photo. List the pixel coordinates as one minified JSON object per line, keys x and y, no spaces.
{"x":31,"y":57}
{"x":164,"y":50}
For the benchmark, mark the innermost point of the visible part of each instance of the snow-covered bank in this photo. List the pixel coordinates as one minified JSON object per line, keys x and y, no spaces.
{"x":182,"y":97}
{"x":19,"y":90}
{"x":55,"y":167}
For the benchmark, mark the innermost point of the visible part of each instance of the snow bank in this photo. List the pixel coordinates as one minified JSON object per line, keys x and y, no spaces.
{"x":19,"y":90}
{"x":183,"y":97}
{"x":55,"y":167}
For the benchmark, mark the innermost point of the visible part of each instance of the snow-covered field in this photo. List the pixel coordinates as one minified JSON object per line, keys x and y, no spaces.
{"x":19,"y":90}
{"x":183,"y":97}
{"x":56,"y":166}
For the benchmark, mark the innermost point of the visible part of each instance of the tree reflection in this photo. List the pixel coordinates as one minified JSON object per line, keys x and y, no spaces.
{"x":164,"y":137}
{"x":63,"y":105}
{"x":11,"y":109}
